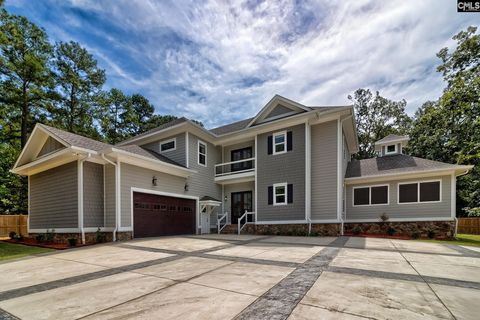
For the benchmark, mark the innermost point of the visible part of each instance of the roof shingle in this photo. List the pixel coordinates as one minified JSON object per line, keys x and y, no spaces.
{"x":76,"y":140}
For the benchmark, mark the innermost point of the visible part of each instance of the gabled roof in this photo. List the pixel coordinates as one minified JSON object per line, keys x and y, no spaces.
{"x":232,"y":127}
{"x":159,"y":128}
{"x":392,"y":138}
{"x":396,"y":164}
{"x":76,"y":140}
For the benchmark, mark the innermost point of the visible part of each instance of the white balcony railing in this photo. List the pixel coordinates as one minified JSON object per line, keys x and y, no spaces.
{"x":234,"y":167}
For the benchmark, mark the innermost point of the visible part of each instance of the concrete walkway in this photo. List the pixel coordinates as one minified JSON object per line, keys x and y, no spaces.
{"x":246,"y":277}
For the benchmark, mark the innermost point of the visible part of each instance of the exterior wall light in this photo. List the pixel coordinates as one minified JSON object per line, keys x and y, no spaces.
{"x":154,"y":181}
{"x":186,"y":186}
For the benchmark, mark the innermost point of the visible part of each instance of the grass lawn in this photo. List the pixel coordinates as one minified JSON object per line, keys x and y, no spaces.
{"x":462,"y":239}
{"x":12,"y":251}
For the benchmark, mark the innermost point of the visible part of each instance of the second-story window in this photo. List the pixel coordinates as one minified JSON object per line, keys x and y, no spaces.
{"x":202,"y":153}
{"x":167,"y":145}
{"x":279,"y":142}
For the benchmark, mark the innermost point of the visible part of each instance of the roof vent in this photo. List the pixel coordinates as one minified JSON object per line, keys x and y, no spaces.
{"x":391,"y":145}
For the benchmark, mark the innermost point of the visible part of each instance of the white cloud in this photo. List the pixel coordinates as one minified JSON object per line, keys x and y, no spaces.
{"x":315,"y":53}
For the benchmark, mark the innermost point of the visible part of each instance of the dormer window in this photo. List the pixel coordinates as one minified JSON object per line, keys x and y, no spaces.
{"x":391,"y":149}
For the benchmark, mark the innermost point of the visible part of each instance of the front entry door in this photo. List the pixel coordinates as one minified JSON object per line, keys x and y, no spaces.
{"x":241,"y":202}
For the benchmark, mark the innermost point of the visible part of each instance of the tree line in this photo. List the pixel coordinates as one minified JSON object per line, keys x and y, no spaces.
{"x":61,"y":84}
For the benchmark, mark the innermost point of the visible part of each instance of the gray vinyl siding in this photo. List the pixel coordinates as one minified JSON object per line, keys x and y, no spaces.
{"x":287,"y":167}
{"x":93,"y":195}
{"x":202,"y":183}
{"x":423,"y":210}
{"x":50,"y":146}
{"x":133,"y":176}
{"x":278,"y":110}
{"x":238,"y":187}
{"x":54,"y":198}
{"x":227,"y":150}
{"x":109,"y":195}
{"x":324,"y":171}
{"x":177,"y":155}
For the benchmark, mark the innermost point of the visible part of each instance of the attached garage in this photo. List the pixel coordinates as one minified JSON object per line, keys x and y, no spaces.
{"x":157,"y":215}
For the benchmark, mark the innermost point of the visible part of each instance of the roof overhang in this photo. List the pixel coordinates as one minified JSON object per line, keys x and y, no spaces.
{"x":457,"y":171}
{"x":212,"y":203}
{"x":148,"y":163}
{"x":275,"y":101}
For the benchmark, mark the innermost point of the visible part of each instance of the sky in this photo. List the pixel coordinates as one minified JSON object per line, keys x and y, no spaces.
{"x":222,"y":61}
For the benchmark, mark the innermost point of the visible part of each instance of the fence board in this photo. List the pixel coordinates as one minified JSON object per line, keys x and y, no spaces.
{"x":17,"y":223}
{"x":469,"y":225}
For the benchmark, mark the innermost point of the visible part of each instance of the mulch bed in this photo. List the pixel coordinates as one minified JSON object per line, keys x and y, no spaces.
{"x":386,"y":236}
{"x":51,"y":245}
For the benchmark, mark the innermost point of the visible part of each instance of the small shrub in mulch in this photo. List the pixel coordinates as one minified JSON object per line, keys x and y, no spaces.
{"x":357,"y":230}
{"x":72,"y":242}
{"x":391,"y":231}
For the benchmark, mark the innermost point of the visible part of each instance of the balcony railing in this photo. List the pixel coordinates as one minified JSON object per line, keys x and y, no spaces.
{"x":234,"y":167}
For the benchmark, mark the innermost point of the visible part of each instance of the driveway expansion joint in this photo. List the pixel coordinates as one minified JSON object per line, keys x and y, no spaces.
{"x":281,"y":299}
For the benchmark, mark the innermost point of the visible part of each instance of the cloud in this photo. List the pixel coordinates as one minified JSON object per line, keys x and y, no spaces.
{"x":222,"y":61}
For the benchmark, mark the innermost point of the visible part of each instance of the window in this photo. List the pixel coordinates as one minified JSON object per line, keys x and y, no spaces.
{"x":168,"y":145}
{"x":428,"y":191}
{"x":202,"y":153}
{"x":279,"y":194}
{"x":391,"y":148}
{"x":279,"y":142}
{"x":371,"y":195}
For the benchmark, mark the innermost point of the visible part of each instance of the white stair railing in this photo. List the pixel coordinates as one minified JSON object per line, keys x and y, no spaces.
{"x":219,"y":222}
{"x":244,"y":216}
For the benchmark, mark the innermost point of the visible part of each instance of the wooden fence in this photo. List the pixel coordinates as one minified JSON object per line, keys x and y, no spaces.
{"x":469,"y":225}
{"x":17,"y":223}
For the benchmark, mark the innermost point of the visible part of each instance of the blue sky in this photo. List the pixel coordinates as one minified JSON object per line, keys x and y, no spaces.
{"x":218,"y":62}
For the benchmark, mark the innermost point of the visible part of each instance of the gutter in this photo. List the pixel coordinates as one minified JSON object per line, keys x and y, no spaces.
{"x":342,"y":179}
{"x":117,"y":199}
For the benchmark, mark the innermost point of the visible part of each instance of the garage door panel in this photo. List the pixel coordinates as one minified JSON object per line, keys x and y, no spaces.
{"x":156,"y":215}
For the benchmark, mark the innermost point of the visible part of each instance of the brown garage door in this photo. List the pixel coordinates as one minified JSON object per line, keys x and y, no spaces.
{"x":155,"y":215}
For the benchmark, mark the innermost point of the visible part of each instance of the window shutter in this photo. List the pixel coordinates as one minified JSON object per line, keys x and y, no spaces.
{"x":270,"y":144}
{"x":290,"y":193}
{"x":270,"y":195}
{"x":289,"y":141}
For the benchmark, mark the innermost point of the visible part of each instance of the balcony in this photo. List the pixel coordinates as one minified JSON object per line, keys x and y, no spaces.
{"x":235,"y":171}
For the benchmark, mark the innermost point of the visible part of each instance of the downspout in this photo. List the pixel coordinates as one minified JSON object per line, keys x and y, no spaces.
{"x":343,"y":182}
{"x":81,"y":198}
{"x":117,"y":202}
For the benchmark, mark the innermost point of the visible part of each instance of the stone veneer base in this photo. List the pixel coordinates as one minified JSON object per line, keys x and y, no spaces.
{"x":90,"y":237}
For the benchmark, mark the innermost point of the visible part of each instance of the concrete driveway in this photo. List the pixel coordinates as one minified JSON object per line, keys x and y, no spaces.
{"x":246,"y":277}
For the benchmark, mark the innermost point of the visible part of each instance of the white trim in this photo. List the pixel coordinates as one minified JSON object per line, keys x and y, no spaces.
{"x":28,"y":204}
{"x":328,"y":221}
{"x":198,"y":153}
{"x":102,"y":229}
{"x":57,"y":230}
{"x":256,"y":178}
{"x":285,"y":195}
{"x":370,"y":195}
{"x":384,"y":143}
{"x":278,"y":116}
{"x":282,"y":222}
{"x":279,"y":133}
{"x":165,"y":142}
{"x":418,"y":182}
{"x":454,"y":195}
{"x":80,"y":197}
{"x":187,"y":147}
{"x":391,"y":152}
{"x":104,"y":199}
{"x":308,"y":171}
{"x":168,"y":194}
{"x":118,"y":196}
{"x":42,"y":160}
{"x":402,"y":219}
{"x":339,"y":168}
{"x":406,"y":175}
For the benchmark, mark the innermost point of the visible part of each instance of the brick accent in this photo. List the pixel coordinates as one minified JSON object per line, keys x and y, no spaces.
{"x":439,"y":229}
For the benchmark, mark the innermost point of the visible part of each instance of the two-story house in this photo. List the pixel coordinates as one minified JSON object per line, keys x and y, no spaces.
{"x":286,"y":170}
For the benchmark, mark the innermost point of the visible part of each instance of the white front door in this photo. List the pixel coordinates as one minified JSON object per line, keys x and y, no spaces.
{"x":205,"y":217}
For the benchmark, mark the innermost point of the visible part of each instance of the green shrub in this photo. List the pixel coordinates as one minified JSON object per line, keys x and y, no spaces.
{"x":40,"y":238}
{"x":18,"y":237}
{"x":50,"y":235}
{"x":357,"y":230}
{"x":416,"y":234}
{"x":100,"y":236}
{"x":431,"y":233}
{"x":314,"y":234}
{"x":391,"y":231}
{"x":72,"y":242}
{"x":12,"y":234}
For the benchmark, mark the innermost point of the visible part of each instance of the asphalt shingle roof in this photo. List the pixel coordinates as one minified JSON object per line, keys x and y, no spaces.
{"x":207,"y":198}
{"x":232,"y":127}
{"x":392,"y":164}
{"x":76,"y":140}
{"x":391,"y":137}
{"x":160,"y":127}
{"x":135,"y":149}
